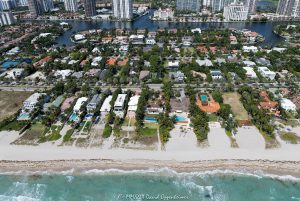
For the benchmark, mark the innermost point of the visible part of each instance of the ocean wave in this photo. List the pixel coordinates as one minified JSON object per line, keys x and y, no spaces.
{"x":172,"y":173}
{"x":166,"y":172}
{"x":17,"y":198}
{"x":42,"y":172}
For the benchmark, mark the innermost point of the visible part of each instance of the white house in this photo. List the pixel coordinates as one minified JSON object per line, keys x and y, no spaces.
{"x":250,"y":49}
{"x":79,"y":37}
{"x":250,"y":72}
{"x":92,"y":105}
{"x":196,"y":30}
{"x":279,"y":49}
{"x":150,"y":41}
{"x":265,"y":72}
{"x":31,"y":102}
{"x":133,"y":102}
{"x":205,"y":62}
{"x":119,"y":105}
{"x":79,"y":103}
{"x":288,"y":105}
{"x":96,"y":61}
{"x":63,"y":73}
{"x":216,"y":74}
{"x":173,"y":64}
{"x":14,"y":73}
{"x":106,"y":105}
{"x":249,"y":63}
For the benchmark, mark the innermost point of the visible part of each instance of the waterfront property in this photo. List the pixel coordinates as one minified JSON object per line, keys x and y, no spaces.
{"x":106,"y":106}
{"x":92,"y":105}
{"x":80,"y":102}
{"x":120,"y":105}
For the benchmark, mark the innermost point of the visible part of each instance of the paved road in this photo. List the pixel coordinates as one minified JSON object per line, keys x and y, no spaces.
{"x":156,"y":87}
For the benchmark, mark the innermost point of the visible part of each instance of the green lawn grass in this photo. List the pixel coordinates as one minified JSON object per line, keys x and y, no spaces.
{"x":290,"y":137}
{"x":148,"y":131}
{"x":68,"y":135}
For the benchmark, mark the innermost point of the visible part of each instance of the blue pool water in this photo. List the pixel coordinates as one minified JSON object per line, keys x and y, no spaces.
{"x":151,"y":119}
{"x":73,"y":117}
{"x":203,"y":98}
{"x":24,"y":116}
{"x":9,"y":64}
{"x":178,"y":118}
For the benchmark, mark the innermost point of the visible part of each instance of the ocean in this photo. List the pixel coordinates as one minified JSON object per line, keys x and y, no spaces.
{"x":160,"y":184}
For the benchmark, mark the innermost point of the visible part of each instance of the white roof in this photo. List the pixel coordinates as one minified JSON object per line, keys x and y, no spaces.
{"x":44,"y":34}
{"x":205,"y":62}
{"x":34,"y":97}
{"x":196,"y":30}
{"x":287,"y":104}
{"x":250,"y":72}
{"x":279,"y":49}
{"x":133,"y":102}
{"x":38,"y":74}
{"x":249,"y":63}
{"x":265,"y":70}
{"x":79,"y":103}
{"x":79,"y":37}
{"x":106,"y":105}
{"x":173,"y":63}
{"x":120,"y":100}
{"x":13,"y":73}
{"x":63,"y":73}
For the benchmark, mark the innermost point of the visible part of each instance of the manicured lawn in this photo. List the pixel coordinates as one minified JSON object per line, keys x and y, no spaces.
{"x":51,"y":134}
{"x":149,"y":131}
{"x":11,"y":102}
{"x":151,"y":125}
{"x":35,"y":131}
{"x":233,"y":99}
{"x":290,"y":137}
{"x":87,"y":127}
{"x":14,"y":125}
{"x":68,"y":135}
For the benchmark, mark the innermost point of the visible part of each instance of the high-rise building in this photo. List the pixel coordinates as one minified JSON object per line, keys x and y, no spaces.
{"x":235,"y":12}
{"x":22,"y":3}
{"x":35,"y":8}
{"x":89,"y":8}
{"x":71,"y":5}
{"x":218,"y":5}
{"x":290,"y":8}
{"x":251,"y":5}
{"x":6,"y":18}
{"x":47,"y":5}
{"x":188,"y":5}
{"x":122,"y":9}
{"x":7,"y":4}
{"x":208,"y":3}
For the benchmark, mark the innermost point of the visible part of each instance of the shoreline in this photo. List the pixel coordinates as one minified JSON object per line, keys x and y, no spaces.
{"x":263,"y":167}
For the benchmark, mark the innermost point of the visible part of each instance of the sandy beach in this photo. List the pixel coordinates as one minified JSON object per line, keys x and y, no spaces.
{"x":188,"y":157}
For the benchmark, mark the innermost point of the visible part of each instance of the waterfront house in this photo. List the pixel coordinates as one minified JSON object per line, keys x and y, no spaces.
{"x":106,"y":106}
{"x":133,"y":103}
{"x":67,"y":103}
{"x":31,"y":103}
{"x":80,"y":102}
{"x":119,"y":105}
{"x":154,"y":107}
{"x":92,"y":105}
{"x":56,"y":103}
{"x":253,"y":49}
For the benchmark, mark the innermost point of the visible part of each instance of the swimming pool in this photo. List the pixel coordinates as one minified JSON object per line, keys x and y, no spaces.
{"x":178,"y":118}
{"x":24,"y":116}
{"x":73,"y":117}
{"x":9,"y":64}
{"x":151,"y":120}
